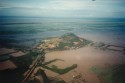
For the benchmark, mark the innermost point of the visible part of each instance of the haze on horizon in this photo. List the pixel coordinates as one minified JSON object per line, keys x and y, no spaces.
{"x":63,"y":8}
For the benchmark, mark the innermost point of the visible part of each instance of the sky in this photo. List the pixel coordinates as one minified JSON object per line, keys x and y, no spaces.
{"x":63,"y":8}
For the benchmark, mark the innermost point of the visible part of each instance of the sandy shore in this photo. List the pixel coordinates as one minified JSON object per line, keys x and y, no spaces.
{"x":85,"y":58}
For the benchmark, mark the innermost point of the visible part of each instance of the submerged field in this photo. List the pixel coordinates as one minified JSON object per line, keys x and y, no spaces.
{"x":96,"y":65}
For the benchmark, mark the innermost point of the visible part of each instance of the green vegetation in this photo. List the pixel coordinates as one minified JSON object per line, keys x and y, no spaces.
{"x":55,"y":68}
{"x":56,"y":79}
{"x":118,"y":75}
{"x":25,"y":60}
{"x":69,"y":39}
{"x":46,"y":63}
{"x":22,"y":62}
{"x":64,"y":42}
{"x":110,"y":74}
{"x":12,"y":76}
{"x":104,"y":74}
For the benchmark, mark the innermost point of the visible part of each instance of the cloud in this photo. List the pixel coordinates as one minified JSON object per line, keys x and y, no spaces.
{"x":69,"y":4}
{"x":65,"y":8}
{"x":53,"y":4}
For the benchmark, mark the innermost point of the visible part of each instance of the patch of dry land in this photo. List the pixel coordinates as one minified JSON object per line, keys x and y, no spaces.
{"x":85,"y":58}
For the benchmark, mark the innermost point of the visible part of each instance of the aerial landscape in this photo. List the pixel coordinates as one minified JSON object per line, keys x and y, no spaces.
{"x":62,"y":41}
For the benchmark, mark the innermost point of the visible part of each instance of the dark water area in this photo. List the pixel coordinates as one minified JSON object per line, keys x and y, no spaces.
{"x":27,"y":31}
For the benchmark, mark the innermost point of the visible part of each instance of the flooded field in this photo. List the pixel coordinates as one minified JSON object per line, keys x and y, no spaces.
{"x":86,"y":58}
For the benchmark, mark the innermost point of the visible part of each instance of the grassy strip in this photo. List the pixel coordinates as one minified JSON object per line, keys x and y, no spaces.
{"x":54,"y":68}
{"x":46,"y":63}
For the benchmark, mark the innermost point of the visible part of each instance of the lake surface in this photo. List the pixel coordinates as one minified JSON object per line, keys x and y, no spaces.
{"x":24,"y":31}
